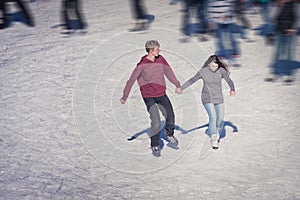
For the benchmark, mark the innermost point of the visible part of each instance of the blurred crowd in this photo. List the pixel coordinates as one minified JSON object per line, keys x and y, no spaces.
{"x":226,"y":21}
{"x":24,"y":14}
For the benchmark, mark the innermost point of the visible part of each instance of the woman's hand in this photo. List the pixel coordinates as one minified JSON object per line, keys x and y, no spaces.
{"x":232,"y":93}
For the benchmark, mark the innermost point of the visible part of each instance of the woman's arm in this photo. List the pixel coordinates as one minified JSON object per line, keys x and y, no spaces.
{"x":192,"y":80}
{"x":227,"y":78}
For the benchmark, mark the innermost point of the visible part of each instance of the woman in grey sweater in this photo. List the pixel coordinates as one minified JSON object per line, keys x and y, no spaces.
{"x":212,"y":73}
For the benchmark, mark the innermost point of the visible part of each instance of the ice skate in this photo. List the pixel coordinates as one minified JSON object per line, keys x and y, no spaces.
{"x":156,"y":151}
{"x":214,"y":141}
{"x":172,"y":140}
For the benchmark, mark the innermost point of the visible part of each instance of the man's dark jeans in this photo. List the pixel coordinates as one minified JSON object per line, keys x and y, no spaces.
{"x":74,"y":6}
{"x":164,"y":105}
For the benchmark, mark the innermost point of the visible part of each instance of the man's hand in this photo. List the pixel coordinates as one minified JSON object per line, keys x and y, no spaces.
{"x":122,"y":101}
{"x":178,"y":90}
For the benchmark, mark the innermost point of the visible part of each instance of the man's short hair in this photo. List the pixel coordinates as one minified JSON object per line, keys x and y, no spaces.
{"x":151,"y":44}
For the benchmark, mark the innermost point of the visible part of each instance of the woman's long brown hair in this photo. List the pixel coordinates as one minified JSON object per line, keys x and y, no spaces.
{"x":215,"y":58}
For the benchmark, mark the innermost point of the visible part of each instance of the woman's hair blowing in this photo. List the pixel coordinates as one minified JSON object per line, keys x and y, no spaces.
{"x":215,"y":58}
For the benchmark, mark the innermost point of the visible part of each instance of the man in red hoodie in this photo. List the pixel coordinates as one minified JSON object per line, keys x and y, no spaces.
{"x":150,"y":74}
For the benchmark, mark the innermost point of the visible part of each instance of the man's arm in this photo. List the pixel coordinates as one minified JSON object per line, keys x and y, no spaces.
{"x":170,"y":74}
{"x":135,"y":74}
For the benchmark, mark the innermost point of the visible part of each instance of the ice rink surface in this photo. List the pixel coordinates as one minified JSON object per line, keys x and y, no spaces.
{"x":64,"y":134}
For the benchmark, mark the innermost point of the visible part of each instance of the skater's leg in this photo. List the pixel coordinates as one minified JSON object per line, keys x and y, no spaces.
{"x":166,"y":108}
{"x":290,"y":46}
{"x":26,"y":12}
{"x":274,"y":69}
{"x":152,"y":109}
{"x":186,"y":18}
{"x":220,"y":34}
{"x":201,"y":11}
{"x":79,"y":14}
{"x":212,"y":127}
{"x":212,"y":116}
{"x":139,"y":9}
{"x":220,"y":117}
{"x":139,"y":13}
{"x":233,"y":42}
{"x":4,"y":12}
{"x":65,"y":15}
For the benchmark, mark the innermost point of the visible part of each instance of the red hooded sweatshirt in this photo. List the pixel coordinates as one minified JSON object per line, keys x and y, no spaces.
{"x":150,"y":77}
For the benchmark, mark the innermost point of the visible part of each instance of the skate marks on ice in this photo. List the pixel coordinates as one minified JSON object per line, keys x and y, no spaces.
{"x":104,"y":125}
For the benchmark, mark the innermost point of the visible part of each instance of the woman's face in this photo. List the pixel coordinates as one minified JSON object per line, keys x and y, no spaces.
{"x":213,"y":66}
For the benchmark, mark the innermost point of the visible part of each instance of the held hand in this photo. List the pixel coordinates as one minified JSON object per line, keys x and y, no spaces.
{"x":122,"y":101}
{"x":178,"y":90}
{"x":232,"y":93}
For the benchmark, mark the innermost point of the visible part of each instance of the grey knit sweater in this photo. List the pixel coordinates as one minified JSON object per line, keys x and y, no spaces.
{"x":212,"y":84}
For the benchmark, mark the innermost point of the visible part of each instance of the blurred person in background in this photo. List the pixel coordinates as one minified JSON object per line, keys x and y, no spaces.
{"x":198,"y":7}
{"x":202,"y":16}
{"x":243,"y":24}
{"x":139,"y":13}
{"x":266,"y":6}
{"x":267,"y":28}
{"x":286,"y":17}
{"x":221,"y":15}
{"x":240,"y":10}
{"x":74,"y":7}
{"x":22,"y":6}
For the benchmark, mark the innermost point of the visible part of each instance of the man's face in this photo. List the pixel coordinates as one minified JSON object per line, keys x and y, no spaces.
{"x":155,"y":51}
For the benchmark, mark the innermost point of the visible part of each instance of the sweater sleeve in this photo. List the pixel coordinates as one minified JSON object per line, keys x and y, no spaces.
{"x":192,"y":80}
{"x":229,"y":81}
{"x":135,"y":74}
{"x":170,"y":74}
